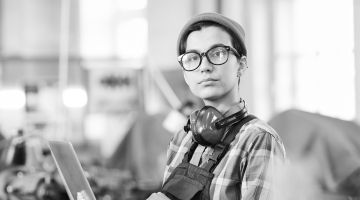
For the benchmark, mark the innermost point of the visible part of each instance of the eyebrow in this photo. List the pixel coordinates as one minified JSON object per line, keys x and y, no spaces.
{"x":212,"y":46}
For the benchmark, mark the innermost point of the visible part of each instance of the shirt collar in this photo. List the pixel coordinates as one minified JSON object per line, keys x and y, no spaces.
{"x":236,"y":107}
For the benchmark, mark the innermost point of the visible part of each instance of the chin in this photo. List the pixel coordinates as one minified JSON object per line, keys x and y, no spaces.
{"x":209,"y":96}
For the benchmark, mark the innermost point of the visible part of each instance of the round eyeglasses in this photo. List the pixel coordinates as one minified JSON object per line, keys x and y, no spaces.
{"x":217,"y":55}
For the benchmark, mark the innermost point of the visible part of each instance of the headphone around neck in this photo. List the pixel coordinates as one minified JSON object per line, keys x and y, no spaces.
{"x":208,"y":124}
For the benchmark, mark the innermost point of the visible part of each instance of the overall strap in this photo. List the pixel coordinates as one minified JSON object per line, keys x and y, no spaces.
{"x":188,"y":155}
{"x":221,"y":148}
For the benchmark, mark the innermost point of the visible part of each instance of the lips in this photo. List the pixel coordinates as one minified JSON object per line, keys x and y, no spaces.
{"x":208,"y":80}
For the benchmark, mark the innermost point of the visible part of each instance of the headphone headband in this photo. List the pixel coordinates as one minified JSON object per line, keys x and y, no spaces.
{"x":236,"y":117}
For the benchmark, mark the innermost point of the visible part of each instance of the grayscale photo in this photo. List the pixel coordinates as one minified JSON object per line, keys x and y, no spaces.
{"x":179,"y":99}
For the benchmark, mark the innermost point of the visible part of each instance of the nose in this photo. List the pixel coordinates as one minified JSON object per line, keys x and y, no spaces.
{"x":205,"y":65}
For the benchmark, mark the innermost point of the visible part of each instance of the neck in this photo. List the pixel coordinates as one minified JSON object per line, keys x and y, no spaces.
{"x":222,"y":105}
{"x":226,"y":101}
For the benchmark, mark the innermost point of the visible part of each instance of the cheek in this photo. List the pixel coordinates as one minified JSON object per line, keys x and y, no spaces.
{"x":191,"y":75}
{"x":188,"y":79}
{"x":230,"y":75}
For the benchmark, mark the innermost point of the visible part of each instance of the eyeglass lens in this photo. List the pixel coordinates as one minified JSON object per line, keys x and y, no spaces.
{"x":216,"y":56}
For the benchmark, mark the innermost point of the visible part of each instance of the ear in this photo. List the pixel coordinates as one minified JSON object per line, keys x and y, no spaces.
{"x":243,"y":66}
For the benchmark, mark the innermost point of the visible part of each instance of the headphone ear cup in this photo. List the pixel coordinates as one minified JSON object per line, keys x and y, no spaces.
{"x":202,"y":126}
{"x":208,"y":124}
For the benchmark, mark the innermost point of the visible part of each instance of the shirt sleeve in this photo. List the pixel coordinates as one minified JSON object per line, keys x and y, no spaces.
{"x":266,"y":155}
{"x":172,"y":150}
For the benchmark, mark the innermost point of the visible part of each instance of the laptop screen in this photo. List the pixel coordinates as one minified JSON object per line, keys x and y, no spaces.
{"x":71,"y":172}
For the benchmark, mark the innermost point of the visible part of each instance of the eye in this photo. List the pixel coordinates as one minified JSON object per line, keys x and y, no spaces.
{"x":190,"y":57}
{"x":218,"y":52}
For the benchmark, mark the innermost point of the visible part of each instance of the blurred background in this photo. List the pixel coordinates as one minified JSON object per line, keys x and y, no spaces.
{"x":104,"y":75}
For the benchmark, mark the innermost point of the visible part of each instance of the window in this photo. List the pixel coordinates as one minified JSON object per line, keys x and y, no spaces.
{"x":113,"y":29}
{"x":314,"y":57}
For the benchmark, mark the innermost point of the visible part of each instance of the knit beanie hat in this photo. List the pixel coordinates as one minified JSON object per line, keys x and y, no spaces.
{"x":232,"y":26}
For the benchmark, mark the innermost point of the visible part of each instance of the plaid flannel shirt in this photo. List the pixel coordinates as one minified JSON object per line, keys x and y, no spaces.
{"x":247,"y":170}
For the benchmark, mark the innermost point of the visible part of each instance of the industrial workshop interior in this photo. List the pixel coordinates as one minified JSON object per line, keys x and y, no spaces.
{"x":103,"y":76}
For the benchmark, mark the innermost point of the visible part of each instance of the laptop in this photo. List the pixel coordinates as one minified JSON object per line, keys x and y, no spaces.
{"x":71,"y":172}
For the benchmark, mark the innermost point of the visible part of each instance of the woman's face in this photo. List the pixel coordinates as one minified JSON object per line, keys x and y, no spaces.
{"x":212,"y":82}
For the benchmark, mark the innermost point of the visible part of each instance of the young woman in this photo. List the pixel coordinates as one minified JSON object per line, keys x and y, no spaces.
{"x":223,"y":152}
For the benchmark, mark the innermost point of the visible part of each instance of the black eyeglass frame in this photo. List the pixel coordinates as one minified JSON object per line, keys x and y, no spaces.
{"x":201,"y":55}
